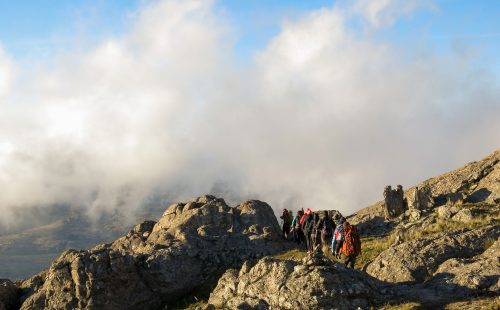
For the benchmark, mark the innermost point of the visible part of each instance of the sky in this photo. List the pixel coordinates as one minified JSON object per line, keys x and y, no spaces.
{"x":32,"y":29}
{"x":104,"y":104}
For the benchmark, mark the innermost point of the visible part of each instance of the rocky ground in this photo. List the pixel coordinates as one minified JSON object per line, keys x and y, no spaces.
{"x":158,"y":263}
{"x":206,"y":254}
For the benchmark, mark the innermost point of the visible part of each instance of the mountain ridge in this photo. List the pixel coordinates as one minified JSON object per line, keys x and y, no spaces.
{"x":447,"y":256}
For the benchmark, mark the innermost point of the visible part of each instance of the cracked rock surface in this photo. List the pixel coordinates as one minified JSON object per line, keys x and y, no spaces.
{"x":157,"y":263}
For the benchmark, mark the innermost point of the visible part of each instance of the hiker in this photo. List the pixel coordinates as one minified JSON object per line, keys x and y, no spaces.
{"x":297,"y":231}
{"x":304,"y":215}
{"x":338,"y":236}
{"x":287,"y":222}
{"x":290,"y":227}
{"x":351,"y":247}
{"x":327,"y":229}
{"x":317,"y":225}
{"x":306,"y":223}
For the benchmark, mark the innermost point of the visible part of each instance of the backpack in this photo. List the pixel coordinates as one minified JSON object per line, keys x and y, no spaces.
{"x":352,"y":242}
{"x":308,"y":224}
{"x":327,"y":227}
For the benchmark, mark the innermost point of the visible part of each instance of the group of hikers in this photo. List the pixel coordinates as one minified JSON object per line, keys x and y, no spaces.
{"x":320,"y":231}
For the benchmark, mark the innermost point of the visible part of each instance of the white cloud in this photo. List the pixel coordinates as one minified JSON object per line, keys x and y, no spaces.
{"x":382,"y":13}
{"x":325,"y":118}
{"x":5,"y":72}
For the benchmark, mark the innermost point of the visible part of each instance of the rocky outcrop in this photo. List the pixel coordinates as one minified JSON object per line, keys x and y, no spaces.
{"x":393,"y":202}
{"x":313,"y":283}
{"x":417,"y":260}
{"x":470,"y":276}
{"x":419,"y":198}
{"x":9,"y":295}
{"x":158,"y":263}
{"x":478,"y":181}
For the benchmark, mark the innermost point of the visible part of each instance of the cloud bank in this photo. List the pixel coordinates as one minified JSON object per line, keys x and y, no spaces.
{"x":324,"y":117}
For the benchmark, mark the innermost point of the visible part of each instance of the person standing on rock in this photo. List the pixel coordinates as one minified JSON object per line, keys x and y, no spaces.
{"x":327,"y":229}
{"x":307,"y":222}
{"x":351,"y":247}
{"x":297,"y":232}
{"x":287,"y":222}
{"x":338,"y":237}
{"x":316,"y":231}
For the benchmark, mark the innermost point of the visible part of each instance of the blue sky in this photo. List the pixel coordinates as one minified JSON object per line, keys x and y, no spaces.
{"x":38,"y":29}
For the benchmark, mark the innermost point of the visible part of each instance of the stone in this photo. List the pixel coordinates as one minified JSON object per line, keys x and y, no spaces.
{"x":419,"y":198}
{"x":9,"y":295}
{"x":417,"y":260}
{"x":478,"y":179}
{"x":464,"y":216}
{"x":288,"y":284}
{"x":471,"y":276}
{"x":158,"y":263}
{"x":446,"y":211}
{"x":414,"y":214}
{"x":393,"y":202}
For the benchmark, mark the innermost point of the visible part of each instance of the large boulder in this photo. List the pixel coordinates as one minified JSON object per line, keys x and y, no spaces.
{"x":393,"y":201}
{"x":9,"y":295}
{"x":419,"y":198}
{"x":313,"y":283}
{"x":418,"y":259}
{"x":158,"y":263}
{"x":474,"y":276}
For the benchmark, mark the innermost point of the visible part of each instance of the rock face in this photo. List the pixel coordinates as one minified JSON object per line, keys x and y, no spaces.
{"x":158,"y":263}
{"x":470,"y":276}
{"x":417,"y":260}
{"x":313,"y":283}
{"x":419,"y":198}
{"x":393,"y":201}
{"x":9,"y":295}
{"x":478,"y":181}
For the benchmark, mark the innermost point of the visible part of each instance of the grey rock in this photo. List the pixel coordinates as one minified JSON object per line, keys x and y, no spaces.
{"x":478,"y":181}
{"x":158,"y":263}
{"x":393,"y":202}
{"x":464,"y":216}
{"x":9,"y":295}
{"x":417,"y":260}
{"x":288,"y":284}
{"x":419,"y":198}
{"x":472,"y":276}
{"x":447,"y":211}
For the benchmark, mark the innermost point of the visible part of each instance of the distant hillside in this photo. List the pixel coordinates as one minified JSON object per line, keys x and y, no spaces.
{"x":479,"y":181}
{"x":27,"y":249}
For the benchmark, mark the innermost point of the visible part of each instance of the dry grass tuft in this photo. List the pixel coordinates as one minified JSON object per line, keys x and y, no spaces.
{"x":371,"y":247}
{"x":403,"y":306}
{"x":294,"y":254}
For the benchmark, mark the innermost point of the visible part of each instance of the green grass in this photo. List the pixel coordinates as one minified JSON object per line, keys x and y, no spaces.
{"x":371,"y":247}
{"x":294,"y":254}
{"x":492,"y":303}
{"x":403,"y":306}
{"x":444,"y":225}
